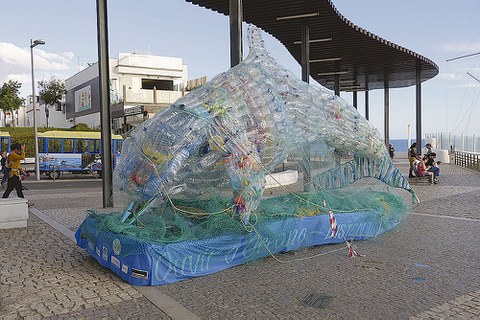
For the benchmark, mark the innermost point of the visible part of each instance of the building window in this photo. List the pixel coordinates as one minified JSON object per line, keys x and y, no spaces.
{"x":159,"y":84}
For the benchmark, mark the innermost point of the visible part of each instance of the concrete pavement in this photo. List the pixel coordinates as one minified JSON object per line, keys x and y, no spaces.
{"x":427,"y":268}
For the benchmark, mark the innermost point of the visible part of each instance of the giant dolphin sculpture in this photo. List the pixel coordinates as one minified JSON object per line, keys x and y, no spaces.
{"x":236,"y":129}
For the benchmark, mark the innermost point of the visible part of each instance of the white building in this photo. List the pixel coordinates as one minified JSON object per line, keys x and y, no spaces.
{"x":140,"y":86}
{"x":7,"y":118}
{"x":56,"y":116}
{"x":24,"y":116}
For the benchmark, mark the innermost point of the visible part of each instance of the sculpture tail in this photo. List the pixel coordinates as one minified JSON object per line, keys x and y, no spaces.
{"x":360,"y":167}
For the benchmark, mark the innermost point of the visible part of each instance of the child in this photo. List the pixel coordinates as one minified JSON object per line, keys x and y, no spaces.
{"x":415,"y":163}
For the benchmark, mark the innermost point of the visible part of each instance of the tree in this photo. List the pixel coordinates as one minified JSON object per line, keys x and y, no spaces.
{"x":51,"y":93}
{"x":10,"y":100}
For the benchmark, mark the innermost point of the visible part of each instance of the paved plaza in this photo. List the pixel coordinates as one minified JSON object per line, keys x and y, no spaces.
{"x":426,"y":268}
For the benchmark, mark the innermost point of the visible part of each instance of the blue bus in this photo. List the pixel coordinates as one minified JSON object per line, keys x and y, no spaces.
{"x":73,"y":151}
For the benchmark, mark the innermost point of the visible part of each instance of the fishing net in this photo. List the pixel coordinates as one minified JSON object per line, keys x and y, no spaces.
{"x":190,"y":220}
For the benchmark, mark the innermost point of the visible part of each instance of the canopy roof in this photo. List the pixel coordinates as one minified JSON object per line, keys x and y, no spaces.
{"x":359,"y":57}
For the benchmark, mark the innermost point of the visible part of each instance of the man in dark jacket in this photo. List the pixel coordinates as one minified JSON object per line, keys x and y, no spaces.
{"x":412,"y":155}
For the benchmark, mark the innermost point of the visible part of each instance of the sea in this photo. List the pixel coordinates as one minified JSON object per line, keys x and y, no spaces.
{"x":401,"y":145}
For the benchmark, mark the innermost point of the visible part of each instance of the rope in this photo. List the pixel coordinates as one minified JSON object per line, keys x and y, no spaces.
{"x":294,"y":260}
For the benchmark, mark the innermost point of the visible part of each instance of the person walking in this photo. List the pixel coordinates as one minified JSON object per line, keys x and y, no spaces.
{"x":13,"y":163}
{"x":391,"y":151}
{"x":3,"y":164}
{"x":412,"y":155}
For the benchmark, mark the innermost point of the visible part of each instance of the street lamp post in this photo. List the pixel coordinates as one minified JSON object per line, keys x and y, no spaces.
{"x":34,"y":43}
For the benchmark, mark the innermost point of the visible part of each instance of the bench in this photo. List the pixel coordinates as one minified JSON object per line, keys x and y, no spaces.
{"x":13,"y":213}
{"x":419,"y":180}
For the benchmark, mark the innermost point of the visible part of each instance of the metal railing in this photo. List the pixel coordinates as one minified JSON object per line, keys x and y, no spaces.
{"x":450,"y":141}
{"x":469,"y":160}
{"x":142,"y":96}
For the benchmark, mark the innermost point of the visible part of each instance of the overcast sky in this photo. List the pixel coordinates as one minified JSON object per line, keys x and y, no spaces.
{"x":437,"y":29}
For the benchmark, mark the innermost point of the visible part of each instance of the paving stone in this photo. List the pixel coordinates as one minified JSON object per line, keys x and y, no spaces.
{"x":39,"y":285}
{"x":39,"y":267}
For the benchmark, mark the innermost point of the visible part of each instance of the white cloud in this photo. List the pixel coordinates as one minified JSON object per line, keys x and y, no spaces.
{"x":52,"y":61}
{"x":43,"y":60}
{"x":449,"y":76}
{"x":472,"y":84}
{"x":458,"y":80}
{"x":20,"y":77}
{"x":12,"y":55}
{"x":15,"y":64}
{"x":461,"y":48}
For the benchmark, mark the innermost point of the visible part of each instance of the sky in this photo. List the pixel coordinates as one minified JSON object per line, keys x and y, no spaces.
{"x":436,"y":29}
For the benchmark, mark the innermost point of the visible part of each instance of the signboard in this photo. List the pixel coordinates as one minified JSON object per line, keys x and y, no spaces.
{"x":133,"y":110}
{"x":83,"y":99}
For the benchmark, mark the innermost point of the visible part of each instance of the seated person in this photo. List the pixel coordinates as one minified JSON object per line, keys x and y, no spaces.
{"x":432,"y":166}
{"x":428,"y":149}
{"x":422,"y":170}
{"x":415,"y":163}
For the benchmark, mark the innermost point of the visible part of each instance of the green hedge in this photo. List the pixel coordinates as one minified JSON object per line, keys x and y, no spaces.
{"x":26,"y":136}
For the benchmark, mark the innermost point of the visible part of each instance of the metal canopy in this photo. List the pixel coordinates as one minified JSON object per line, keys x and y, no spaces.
{"x":360,"y":58}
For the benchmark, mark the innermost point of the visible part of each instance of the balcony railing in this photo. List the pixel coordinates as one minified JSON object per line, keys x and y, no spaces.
{"x":145,"y":96}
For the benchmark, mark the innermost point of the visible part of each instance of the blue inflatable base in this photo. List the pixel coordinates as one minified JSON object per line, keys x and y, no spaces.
{"x":156,"y":264}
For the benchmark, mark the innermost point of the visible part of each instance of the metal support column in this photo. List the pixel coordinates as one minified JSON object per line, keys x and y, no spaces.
{"x":104,"y":88}
{"x":418,"y":108}
{"x":367,"y":102}
{"x":336,"y":84}
{"x":305,"y":59}
{"x":236,"y":19}
{"x":367,"y":115}
{"x":305,"y":62}
{"x":386,"y":111}
{"x":355,"y":102}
